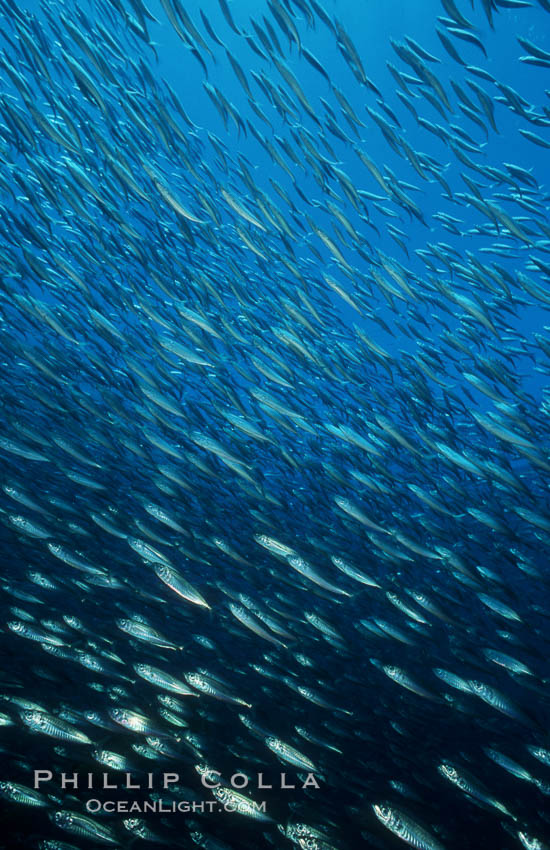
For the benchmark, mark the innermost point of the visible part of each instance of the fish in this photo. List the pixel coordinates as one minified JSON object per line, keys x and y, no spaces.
{"x":163,"y":680}
{"x":234,"y":801}
{"x":46,"y":724}
{"x":17,"y":793}
{"x":405,"y":828}
{"x":274,"y":445}
{"x":471,"y":786}
{"x":83,"y":826}
{"x":143,"y":632}
{"x":176,"y":582}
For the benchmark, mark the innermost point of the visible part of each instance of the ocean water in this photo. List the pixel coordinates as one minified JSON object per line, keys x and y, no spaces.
{"x":274,"y":445}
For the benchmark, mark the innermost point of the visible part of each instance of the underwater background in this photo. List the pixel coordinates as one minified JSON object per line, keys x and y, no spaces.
{"x":274,"y":445}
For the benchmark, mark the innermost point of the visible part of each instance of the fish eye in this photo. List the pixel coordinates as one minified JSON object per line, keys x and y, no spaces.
{"x":382,"y":811}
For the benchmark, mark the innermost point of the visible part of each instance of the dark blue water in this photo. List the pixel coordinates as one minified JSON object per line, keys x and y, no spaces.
{"x":220,"y":325}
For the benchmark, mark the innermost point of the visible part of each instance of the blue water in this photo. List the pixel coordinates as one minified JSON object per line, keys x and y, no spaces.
{"x":133,"y":333}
